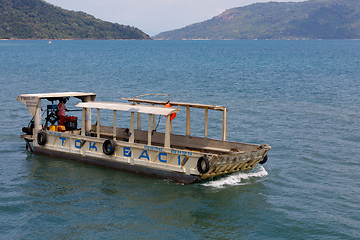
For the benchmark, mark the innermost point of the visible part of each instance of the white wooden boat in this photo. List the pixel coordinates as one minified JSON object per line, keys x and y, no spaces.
{"x":180,"y":158}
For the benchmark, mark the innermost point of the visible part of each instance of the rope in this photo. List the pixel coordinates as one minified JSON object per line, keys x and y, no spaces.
{"x":156,"y":126}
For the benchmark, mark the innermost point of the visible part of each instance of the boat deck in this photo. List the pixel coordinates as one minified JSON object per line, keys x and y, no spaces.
{"x":198,"y":144}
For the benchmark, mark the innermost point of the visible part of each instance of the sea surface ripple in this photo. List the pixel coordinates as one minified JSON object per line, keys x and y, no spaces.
{"x":300,"y":97}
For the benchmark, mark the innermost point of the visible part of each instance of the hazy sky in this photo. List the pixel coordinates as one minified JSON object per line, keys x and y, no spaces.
{"x":154,"y":16}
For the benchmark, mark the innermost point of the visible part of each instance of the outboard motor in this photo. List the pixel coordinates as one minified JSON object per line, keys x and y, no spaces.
{"x":29,"y":129}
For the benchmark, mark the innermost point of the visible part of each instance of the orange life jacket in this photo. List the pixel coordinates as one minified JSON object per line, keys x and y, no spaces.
{"x":172,"y":115}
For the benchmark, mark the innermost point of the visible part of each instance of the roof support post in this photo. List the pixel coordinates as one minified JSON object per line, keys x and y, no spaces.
{"x":154,"y":120}
{"x":114,"y":127}
{"x":98,"y":124}
{"x":224,"y":134}
{"x":188,"y":127}
{"x":206,"y":122}
{"x":167,"y":132}
{"x":87,"y":115}
{"x":149,"y":130}
{"x":37,"y":117}
{"x":83,"y":122}
{"x":138,"y":120}
{"x":87,"y":119}
{"x":131,"y":132}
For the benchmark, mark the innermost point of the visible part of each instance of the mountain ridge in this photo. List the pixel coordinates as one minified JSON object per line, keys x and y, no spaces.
{"x":312,"y":19}
{"x":37,"y":19}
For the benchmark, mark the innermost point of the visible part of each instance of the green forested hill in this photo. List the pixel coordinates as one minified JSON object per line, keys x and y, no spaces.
{"x":313,"y":19}
{"x":37,"y":19}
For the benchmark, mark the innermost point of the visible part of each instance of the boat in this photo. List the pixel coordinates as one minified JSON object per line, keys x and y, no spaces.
{"x":180,"y":158}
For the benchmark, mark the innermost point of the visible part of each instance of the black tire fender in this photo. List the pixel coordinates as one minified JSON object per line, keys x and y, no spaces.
{"x":41,"y":138}
{"x":109,"y":150}
{"x":203,"y":161}
{"x":264,"y":160}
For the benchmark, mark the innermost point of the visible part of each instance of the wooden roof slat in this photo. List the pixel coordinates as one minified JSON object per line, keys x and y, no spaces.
{"x":56,"y":95}
{"x":129,"y":107}
{"x":182,"y":104}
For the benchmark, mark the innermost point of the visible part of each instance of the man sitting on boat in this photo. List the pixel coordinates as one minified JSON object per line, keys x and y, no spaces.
{"x":62,"y":108}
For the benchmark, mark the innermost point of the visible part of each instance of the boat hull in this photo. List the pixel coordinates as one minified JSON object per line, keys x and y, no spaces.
{"x":149,"y":172}
{"x":178,"y":165}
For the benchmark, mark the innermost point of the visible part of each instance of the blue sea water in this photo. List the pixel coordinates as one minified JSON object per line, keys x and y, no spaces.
{"x":300,"y":97}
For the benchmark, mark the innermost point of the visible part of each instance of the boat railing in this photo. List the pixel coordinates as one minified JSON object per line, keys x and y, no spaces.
{"x":206,"y":107}
{"x":151,"y":94}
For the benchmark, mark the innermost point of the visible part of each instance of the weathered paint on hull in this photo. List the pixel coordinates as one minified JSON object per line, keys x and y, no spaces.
{"x":150,"y":172}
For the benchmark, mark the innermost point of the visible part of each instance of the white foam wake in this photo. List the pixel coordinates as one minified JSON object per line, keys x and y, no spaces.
{"x":240,"y":178}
